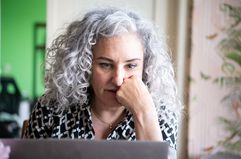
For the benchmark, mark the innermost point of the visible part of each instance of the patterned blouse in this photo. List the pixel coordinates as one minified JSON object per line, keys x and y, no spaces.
{"x":76,"y":122}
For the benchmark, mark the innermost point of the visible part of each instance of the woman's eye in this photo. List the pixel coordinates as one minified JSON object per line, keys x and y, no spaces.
{"x":105,"y":65}
{"x":131,"y":66}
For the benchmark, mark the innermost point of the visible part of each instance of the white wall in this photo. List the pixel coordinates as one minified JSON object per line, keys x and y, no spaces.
{"x":62,"y":12}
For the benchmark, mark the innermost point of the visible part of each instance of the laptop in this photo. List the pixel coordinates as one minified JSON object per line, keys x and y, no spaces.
{"x":85,"y":149}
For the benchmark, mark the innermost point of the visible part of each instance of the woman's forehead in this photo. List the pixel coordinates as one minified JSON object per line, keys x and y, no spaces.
{"x":126,"y":46}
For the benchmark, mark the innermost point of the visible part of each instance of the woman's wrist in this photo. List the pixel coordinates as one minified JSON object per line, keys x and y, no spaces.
{"x":147,"y":125}
{"x":143,"y":109}
{"x":145,"y":117}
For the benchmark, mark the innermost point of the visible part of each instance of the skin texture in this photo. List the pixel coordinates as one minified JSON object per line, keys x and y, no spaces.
{"x":116,"y":81}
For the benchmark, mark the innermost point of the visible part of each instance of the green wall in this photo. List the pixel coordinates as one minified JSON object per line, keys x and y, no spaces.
{"x":17,"y":46}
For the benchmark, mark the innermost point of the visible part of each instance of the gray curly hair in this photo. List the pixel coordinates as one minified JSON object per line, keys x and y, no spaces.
{"x":70,"y":60}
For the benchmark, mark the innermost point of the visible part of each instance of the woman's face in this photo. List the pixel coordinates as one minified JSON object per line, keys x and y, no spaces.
{"x":114,"y":60}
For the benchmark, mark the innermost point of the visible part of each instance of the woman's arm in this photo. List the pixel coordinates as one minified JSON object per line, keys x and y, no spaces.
{"x":147,"y":126}
{"x":134,"y":95}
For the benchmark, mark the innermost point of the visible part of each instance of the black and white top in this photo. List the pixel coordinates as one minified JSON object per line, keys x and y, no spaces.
{"x":76,"y":122}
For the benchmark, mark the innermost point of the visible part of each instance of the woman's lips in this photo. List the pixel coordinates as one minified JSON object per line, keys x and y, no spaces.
{"x":112,"y":91}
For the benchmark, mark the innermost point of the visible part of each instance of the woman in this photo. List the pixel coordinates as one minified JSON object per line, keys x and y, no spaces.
{"x":109,"y":77}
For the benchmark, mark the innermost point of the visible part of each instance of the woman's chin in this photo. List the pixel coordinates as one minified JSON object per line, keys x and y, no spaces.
{"x":112,"y":102}
{"x":109,"y":100}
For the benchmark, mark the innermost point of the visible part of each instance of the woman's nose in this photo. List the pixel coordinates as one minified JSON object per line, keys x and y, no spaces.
{"x":118,"y":76}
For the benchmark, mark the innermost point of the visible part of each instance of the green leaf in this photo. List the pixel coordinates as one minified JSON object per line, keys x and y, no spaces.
{"x":234,"y":57}
{"x":204,"y":76}
{"x":228,"y":68}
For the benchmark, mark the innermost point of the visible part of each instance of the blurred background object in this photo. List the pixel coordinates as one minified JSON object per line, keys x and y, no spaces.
{"x":215,"y":80}
{"x":21,"y":61}
{"x":9,"y":104}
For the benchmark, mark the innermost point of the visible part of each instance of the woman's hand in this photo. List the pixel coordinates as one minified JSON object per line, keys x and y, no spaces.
{"x":134,"y":95}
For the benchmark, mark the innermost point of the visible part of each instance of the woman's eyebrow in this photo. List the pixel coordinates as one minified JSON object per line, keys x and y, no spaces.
{"x":110,"y":60}
{"x":104,"y":58}
{"x":135,"y":59}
